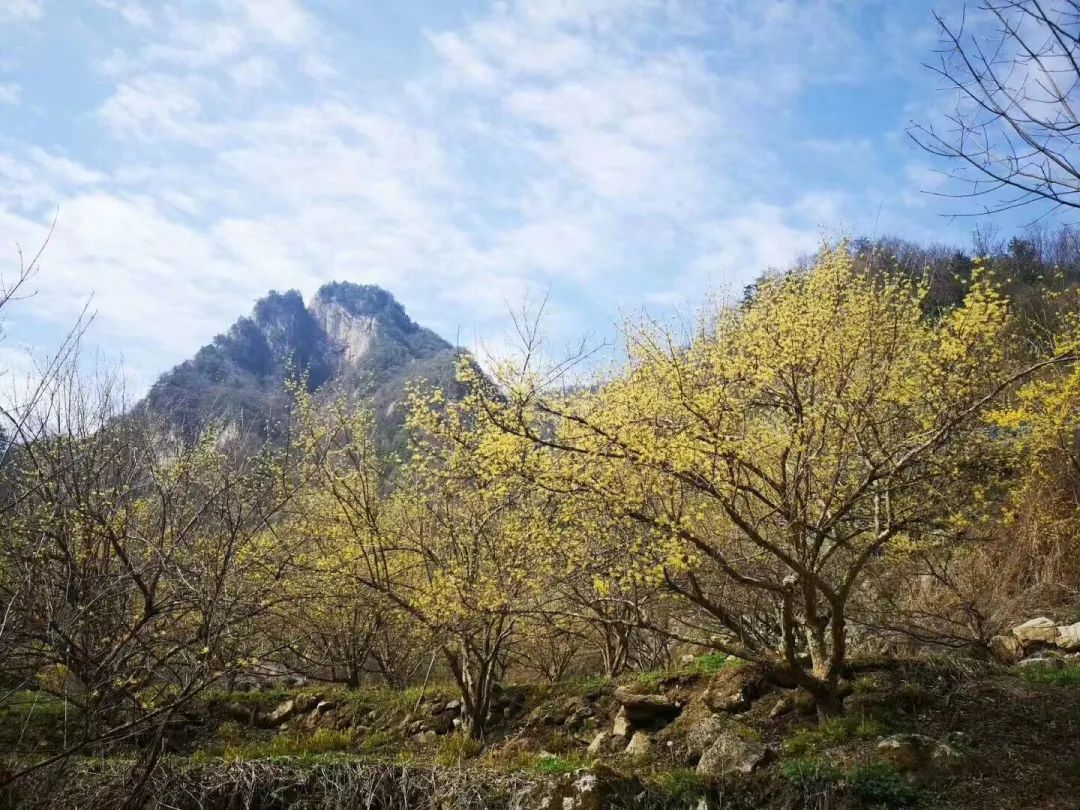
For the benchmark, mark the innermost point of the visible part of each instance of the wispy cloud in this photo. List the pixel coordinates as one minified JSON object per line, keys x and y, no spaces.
{"x":616,"y":152}
{"x":18,"y":10}
{"x":10,"y":93}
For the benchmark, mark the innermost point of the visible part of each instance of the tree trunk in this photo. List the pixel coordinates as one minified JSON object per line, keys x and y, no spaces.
{"x":829,"y":702}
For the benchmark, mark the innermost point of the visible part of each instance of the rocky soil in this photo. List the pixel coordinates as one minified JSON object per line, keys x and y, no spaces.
{"x":917,"y":732}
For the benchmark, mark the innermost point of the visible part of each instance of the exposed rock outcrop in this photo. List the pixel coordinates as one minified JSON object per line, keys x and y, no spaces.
{"x":734,"y":751}
{"x":351,"y":339}
{"x":1040,"y":630}
{"x":735,"y":688}
{"x":642,"y":711}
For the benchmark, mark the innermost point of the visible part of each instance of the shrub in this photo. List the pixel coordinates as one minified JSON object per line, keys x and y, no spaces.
{"x":881,"y":785}
{"x":864,"y":684}
{"x":231,"y":732}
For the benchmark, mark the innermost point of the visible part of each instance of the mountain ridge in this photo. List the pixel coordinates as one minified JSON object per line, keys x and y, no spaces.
{"x":349,"y":339}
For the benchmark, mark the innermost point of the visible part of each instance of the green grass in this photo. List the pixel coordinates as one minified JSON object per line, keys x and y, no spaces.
{"x":832,"y":732}
{"x":32,"y":718}
{"x":355,"y":702}
{"x":555,"y":766}
{"x":589,"y":685}
{"x":1068,"y":676}
{"x":881,"y":786}
{"x":682,"y":785}
{"x":322,"y":741}
{"x":456,"y":748}
{"x":700,"y":667}
{"x":375,"y":741}
{"x":407,"y":698}
{"x":810,"y":775}
{"x":707,"y":664}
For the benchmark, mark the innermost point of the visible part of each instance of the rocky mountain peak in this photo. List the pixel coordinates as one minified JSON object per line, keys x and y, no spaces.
{"x":355,"y":339}
{"x":363,"y":301}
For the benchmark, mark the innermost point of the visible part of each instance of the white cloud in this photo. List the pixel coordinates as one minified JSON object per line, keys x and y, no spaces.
{"x":282,"y":20}
{"x":255,"y":72}
{"x":39,"y":179}
{"x":134,"y":12}
{"x":21,"y":10}
{"x":10,"y":93}
{"x":466,"y":63}
{"x":618,"y":151}
{"x":152,"y":105}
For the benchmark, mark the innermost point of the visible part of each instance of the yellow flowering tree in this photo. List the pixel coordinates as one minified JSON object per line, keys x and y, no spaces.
{"x":447,"y":540}
{"x":776,"y":452}
{"x":1042,"y":429}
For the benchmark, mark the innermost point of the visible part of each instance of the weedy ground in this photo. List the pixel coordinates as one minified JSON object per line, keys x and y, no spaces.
{"x":1017,"y":734}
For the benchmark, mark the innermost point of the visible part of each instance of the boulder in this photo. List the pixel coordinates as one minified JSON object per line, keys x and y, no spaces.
{"x":1037,"y":631}
{"x":580,"y":790}
{"x":578,"y":717}
{"x":731,"y":753}
{"x":586,"y":793}
{"x":1007,"y":649}
{"x":600,"y":744}
{"x":646,"y":708}
{"x":442,"y":723}
{"x":703,"y":734}
{"x":640,"y":746}
{"x":556,"y":716}
{"x":1068,"y":637}
{"x":735,"y":689}
{"x":605,"y":743}
{"x":279,"y":715}
{"x":622,"y":726}
{"x":907,"y":752}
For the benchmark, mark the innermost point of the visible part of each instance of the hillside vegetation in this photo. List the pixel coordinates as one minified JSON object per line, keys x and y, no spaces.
{"x":817,"y":550}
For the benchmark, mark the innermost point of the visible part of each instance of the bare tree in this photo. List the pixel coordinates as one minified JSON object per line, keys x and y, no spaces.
{"x":1014,"y":132}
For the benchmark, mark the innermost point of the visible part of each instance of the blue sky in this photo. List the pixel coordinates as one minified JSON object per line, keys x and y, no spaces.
{"x":619,"y":153}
